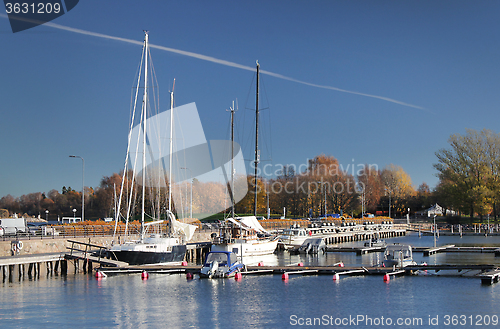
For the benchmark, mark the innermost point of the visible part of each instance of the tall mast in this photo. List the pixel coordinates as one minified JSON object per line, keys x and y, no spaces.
{"x":232,"y":161}
{"x":144,"y":112}
{"x":256,"y":163}
{"x":171,"y":148}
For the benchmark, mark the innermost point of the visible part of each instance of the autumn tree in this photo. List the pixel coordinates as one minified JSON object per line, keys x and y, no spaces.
{"x":324,"y":184}
{"x":247,"y":204}
{"x":398,"y":186}
{"x":370,"y":183}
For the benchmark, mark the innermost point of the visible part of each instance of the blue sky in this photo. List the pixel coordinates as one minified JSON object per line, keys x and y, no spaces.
{"x":69,"y":93}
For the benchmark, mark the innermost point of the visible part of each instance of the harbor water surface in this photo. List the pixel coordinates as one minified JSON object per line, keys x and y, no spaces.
{"x":172,"y":301}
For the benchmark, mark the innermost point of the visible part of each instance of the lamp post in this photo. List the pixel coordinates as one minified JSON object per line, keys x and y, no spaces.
{"x":47,"y":215}
{"x":191,"y":173}
{"x":83,"y":185}
{"x":435,"y":231}
{"x":323,"y":191}
{"x":74,"y":215}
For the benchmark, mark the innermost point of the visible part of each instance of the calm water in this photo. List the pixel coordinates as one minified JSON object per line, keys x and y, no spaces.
{"x":171,"y":301}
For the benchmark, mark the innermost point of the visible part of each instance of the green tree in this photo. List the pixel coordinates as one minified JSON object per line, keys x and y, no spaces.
{"x":469,"y":171}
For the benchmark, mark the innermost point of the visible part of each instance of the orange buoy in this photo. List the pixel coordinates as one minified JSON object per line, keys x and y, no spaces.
{"x":144,"y":275}
{"x":387,"y":278}
{"x":284,"y":277}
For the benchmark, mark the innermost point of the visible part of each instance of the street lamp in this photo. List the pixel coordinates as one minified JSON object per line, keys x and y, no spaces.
{"x":191,"y":173}
{"x":74,"y":215}
{"x":83,"y":185}
{"x":435,"y":231}
{"x":47,"y":215}
{"x":323,"y":191}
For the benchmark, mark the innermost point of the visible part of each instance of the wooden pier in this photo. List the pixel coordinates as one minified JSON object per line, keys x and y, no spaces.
{"x":432,"y":251}
{"x":358,"y":251}
{"x":361,"y":235}
{"x":31,"y":266}
{"x":427,"y":251}
{"x":490,"y":277}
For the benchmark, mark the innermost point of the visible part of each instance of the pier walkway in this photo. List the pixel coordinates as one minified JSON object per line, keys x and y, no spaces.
{"x":488,"y":274}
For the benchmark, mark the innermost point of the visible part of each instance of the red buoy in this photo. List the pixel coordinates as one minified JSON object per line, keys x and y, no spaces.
{"x":189,"y":276}
{"x":184,"y":263}
{"x":145,"y":275}
{"x":260,"y":264}
{"x":99,"y":275}
{"x":300,"y":264}
{"x":336,"y":277}
{"x":341,"y":264}
{"x":238,"y":276}
{"x":284,"y":277}
{"x":387,"y":278}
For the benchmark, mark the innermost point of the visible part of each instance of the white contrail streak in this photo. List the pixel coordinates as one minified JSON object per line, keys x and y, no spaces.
{"x":224,"y":62}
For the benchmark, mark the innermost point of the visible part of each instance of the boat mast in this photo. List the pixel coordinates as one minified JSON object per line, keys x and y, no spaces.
{"x":256,"y":162}
{"x":171,"y":149}
{"x":144,"y":113}
{"x":232,"y":161}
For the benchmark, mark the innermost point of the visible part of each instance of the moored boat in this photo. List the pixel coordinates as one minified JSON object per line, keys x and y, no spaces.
{"x":220,"y":264}
{"x":154,"y":245}
{"x":376,"y":243}
{"x":398,"y":255}
{"x":244,"y":236}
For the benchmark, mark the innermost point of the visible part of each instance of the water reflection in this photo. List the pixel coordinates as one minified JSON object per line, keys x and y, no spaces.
{"x":171,"y":301}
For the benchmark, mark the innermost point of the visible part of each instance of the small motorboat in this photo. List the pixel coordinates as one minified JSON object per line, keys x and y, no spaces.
{"x":312,"y":246}
{"x":220,"y":264}
{"x":398,"y":255}
{"x":376,"y":243}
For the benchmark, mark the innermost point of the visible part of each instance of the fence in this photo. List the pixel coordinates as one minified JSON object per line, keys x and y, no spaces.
{"x":84,"y":230}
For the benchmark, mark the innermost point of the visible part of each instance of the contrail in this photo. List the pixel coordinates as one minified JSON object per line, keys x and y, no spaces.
{"x":225,"y":63}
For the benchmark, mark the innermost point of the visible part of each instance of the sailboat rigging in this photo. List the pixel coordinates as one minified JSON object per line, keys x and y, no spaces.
{"x":244,"y":236}
{"x":157,"y":247}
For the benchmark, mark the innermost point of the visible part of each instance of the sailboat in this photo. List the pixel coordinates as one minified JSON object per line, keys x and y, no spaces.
{"x":153,"y":246}
{"x":244,"y":236}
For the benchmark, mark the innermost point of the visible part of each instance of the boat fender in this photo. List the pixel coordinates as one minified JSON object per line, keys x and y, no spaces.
{"x":20,"y":245}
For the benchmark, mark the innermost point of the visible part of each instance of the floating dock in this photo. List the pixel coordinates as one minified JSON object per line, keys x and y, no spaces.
{"x":488,"y":274}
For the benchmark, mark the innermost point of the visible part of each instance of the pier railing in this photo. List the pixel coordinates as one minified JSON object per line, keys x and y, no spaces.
{"x":84,"y":230}
{"x":104,"y":230}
